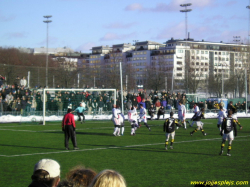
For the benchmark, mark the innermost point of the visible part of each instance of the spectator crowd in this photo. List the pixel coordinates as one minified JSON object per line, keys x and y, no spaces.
{"x":18,"y":99}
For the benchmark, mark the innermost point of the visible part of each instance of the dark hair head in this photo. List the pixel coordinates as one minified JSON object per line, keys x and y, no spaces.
{"x":80,"y":176}
{"x":171,"y":113}
{"x":69,"y":110}
{"x":42,"y":176}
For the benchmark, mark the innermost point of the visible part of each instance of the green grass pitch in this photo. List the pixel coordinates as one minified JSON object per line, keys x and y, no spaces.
{"x":141,"y":159}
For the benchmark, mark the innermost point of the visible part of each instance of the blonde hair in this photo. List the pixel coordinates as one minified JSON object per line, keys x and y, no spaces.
{"x":108,"y":178}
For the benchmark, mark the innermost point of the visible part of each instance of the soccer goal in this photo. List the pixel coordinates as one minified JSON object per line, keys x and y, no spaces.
{"x":53,"y":92}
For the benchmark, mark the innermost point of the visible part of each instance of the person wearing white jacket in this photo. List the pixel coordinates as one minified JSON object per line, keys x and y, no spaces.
{"x":23,"y":82}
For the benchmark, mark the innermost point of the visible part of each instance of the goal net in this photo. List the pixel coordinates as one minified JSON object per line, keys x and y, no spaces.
{"x":57,"y":101}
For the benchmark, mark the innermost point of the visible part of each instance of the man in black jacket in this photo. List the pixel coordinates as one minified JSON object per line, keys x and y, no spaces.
{"x":151,"y":111}
{"x":160,"y":112}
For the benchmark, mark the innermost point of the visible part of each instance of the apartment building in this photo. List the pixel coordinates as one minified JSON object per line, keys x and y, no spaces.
{"x":177,"y":58}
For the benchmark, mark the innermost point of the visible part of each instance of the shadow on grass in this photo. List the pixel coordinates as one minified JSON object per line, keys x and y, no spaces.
{"x":174,"y":151}
{"x":28,"y":146}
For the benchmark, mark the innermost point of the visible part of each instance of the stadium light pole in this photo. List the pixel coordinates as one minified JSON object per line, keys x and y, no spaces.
{"x":186,"y":11}
{"x":47,"y":22}
{"x":186,"y":30}
{"x":248,"y":7}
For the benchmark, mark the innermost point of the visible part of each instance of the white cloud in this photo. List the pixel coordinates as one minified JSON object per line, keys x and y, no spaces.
{"x":135,"y":6}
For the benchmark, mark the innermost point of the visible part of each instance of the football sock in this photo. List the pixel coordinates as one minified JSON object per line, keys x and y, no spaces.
{"x":146,"y":125}
{"x":132,"y":130}
{"x":222,"y":144}
{"x":229,"y":148}
{"x":195,"y":130}
{"x":185,"y":125}
{"x":166,"y":143}
{"x":122,"y":130}
{"x":172,"y":142}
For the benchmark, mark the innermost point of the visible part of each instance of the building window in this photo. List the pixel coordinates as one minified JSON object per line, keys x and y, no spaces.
{"x":179,"y":75}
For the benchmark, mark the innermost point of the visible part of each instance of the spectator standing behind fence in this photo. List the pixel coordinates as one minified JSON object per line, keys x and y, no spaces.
{"x":1,"y":106}
{"x":157,"y":105}
{"x":23,"y":82}
{"x":33,"y":105}
{"x":59,"y":105}
{"x":28,"y":105}
{"x":1,"y":80}
{"x":89,"y":105}
{"x":94,"y":106}
{"x":100,"y":106}
{"x":9,"y":98}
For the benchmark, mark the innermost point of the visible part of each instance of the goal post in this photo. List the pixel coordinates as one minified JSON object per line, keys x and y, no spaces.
{"x":71,"y":90}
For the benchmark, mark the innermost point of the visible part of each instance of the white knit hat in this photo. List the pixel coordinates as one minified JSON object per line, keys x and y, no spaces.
{"x":51,"y":166}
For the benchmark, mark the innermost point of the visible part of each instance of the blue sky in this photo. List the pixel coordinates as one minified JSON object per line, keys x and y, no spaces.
{"x":82,"y":24}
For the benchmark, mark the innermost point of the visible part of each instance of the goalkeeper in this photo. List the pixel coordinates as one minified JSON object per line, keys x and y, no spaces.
{"x":79,"y":110}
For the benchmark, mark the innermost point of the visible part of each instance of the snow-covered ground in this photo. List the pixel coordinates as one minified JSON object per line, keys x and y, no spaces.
{"x":32,"y":118}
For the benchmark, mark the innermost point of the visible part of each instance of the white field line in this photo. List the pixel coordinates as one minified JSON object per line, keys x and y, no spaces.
{"x":121,"y":147}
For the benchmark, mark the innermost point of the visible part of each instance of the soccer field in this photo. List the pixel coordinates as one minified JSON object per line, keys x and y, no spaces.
{"x":141,"y":159}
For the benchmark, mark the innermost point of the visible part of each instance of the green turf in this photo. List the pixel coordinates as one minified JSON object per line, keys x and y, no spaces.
{"x":141,"y":159}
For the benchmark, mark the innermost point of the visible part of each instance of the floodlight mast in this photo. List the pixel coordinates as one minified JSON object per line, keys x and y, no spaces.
{"x":47,"y":22}
{"x":186,"y":11}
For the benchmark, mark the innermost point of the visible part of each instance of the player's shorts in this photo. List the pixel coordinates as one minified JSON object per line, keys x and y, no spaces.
{"x":172,"y":134}
{"x":234,"y":116}
{"x":120,"y":119}
{"x":143,"y":119}
{"x":220,"y":120}
{"x":199,"y":125}
{"x":229,"y":136}
{"x":181,"y":118}
{"x":116,"y":121}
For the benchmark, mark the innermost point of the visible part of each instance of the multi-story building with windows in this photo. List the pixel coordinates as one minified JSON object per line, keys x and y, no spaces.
{"x":180,"y":60}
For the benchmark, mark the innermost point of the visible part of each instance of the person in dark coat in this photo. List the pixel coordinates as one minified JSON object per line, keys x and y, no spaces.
{"x":160,"y":112}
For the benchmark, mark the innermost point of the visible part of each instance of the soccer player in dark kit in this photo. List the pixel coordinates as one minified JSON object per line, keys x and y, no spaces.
{"x":169,"y":128}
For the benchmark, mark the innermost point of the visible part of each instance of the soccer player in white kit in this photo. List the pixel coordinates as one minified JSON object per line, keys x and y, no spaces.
{"x":132,"y":118}
{"x":229,"y":131}
{"x":143,"y":117}
{"x":221,"y":116}
{"x":182,"y":114}
{"x":121,"y":120}
{"x":116,"y":121}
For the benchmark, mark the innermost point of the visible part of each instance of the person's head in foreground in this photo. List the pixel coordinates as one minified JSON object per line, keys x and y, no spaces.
{"x":46,"y":173}
{"x":108,"y":178}
{"x":80,"y":176}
